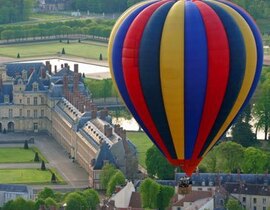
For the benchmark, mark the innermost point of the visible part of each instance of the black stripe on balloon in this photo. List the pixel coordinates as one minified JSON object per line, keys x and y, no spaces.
{"x":237,"y":69}
{"x":150,"y":73}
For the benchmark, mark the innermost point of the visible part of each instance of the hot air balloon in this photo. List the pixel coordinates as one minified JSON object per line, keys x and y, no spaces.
{"x":184,"y":70}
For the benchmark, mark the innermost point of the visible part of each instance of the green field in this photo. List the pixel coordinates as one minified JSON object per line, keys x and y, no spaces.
{"x":74,"y":48}
{"x":26,"y":176}
{"x":16,"y":155}
{"x":142,"y":142}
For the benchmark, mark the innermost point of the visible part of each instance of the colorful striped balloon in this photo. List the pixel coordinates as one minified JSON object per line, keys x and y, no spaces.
{"x":185,"y":69}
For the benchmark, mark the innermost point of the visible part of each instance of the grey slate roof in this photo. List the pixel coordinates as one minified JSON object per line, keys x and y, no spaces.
{"x":14,"y":68}
{"x":6,"y":90}
{"x":104,"y":154}
{"x":13,"y":188}
{"x":34,"y":77}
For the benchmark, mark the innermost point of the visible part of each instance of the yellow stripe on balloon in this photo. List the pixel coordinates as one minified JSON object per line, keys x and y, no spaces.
{"x":113,"y":34}
{"x":251,"y":62}
{"x":172,"y":74}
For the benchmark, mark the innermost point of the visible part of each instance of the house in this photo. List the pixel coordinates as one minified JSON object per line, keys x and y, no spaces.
{"x":33,"y":98}
{"x":10,"y":192}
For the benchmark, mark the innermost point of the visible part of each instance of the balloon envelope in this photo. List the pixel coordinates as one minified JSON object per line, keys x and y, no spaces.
{"x":185,"y":69}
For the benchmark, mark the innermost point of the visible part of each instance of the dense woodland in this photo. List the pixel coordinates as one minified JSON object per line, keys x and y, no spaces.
{"x":12,"y":11}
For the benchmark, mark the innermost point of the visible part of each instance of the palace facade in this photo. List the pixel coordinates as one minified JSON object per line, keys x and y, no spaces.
{"x":33,"y":98}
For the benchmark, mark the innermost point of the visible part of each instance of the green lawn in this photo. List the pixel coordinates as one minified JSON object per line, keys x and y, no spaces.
{"x":26,"y":176}
{"x":16,"y":155}
{"x":85,"y":50}
{"x":142,"y":142}
{"x":19,"y":155}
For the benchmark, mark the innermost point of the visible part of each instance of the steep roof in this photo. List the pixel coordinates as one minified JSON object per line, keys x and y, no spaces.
{"x":14,"y":68}
{"x":247,"y":189}
{"x":6,"y":89}
{"x":13,"y":188}
{"x":193,"y":196}
{"x":104,"y":154}
{"x":35,"y":77}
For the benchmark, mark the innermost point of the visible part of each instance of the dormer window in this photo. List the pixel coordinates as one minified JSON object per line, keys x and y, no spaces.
{"x":20,"y":82}
{"x":24,"y":75}
{"x":6,"y":99}
{"x":35,"y":86}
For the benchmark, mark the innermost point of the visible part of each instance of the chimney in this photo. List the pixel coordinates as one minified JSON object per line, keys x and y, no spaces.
{"x":50,"y":69}
{"x":123,"y":134}
{"x":66,"y":65}
{"x":47,"y":63}
{"x":62,"y":66}
{"x":76,"y":68}
{"x":43,"y":73}
{"x":1,"y":82}
{"x":55,"y":69}
{"x":102,"y":114}
{"x":117,"y":128}
{"x":93,"y":111}
{"x":65,"y":83}
{"x":88,"y":106}
{"x":107,"y":131}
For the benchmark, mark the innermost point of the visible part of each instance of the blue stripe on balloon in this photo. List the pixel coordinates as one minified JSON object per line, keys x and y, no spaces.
{"x":195,"y":75}
{"x":237,"y":69}
{"x":259,"y":46}
{"x":117,"y":64}
{"x":150,"y":73}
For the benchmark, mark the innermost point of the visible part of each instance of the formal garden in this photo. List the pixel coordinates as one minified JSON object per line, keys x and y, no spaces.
{"x":26,"y":165}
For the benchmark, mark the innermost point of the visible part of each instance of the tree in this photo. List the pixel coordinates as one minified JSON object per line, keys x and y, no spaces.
{"x":50,"y":203}
{"x":43,"y":167}
{"x":46,"y":193}
{"x":230,"y":155}
{"x":210,"y":161}
{"x":261,"y":109}
{"x":63,"y":51}
{"x":233,"y":204}
{"x":19,"y":203}
{"x":18,"y":55}
{"x":92,"y":198}
{"x":53,"y":178}
{"x":164,"y":197}
{"x":255,"y":161}
{"x":39,"y":203}
{"x":108,"y":170}
{"x":117,"y":179}
{"x":100,"y":57}
{"x":157,"y":165}
{"x":149,"y":191}
{"x":36,"y":159}
{"x":25,"y":146}
{"x":75,"y":201}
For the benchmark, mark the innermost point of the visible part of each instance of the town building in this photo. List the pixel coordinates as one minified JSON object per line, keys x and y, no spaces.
{"x":33,"y":98}
{"x":11,"y":192}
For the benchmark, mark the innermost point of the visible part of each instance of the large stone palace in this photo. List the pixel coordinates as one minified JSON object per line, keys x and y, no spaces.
{"x":35,"y":98}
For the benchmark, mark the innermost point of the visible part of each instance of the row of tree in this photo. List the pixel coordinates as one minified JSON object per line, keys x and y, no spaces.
{"x":227,"y":157}
{"x":98,"y":27}
{"x":47,"y":198}
{"x":15,"y":10}
{"x":104,"y":6}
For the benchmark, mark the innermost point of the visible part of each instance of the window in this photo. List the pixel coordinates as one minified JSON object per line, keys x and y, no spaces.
{"x":264,"y":200}
{"x":28,"y":101}
{"x":20,"y":101}
{"x":254,"y":208}
{"x":42,"y":113}
{"x":35,"y":86}
{"x":41,"y":100}
{"x":35,"y":101}
{"x":244,"y":199}
{"x":35,"y":113}
{"x":35,"y":126}
{"x":254,"y":200}
{"x":6,"y":99}
{"x":20,"y":112}
{"x":10,"y":113}
{"x":264,"y":207}
{"x":28,"y":113}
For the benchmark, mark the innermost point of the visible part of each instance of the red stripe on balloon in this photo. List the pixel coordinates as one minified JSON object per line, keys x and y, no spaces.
{"x":130,"y":61}
{"x":218,"y":72}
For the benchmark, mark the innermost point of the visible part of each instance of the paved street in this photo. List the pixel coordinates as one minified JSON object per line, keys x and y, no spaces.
{"x":74,"y":175}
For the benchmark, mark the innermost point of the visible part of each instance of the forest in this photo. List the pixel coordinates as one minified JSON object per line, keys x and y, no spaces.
{"x":12,"y":11}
